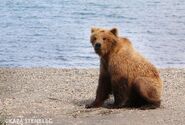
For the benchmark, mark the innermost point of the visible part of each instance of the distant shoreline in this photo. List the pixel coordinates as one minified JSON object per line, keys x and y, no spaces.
{"x":76,"y":67}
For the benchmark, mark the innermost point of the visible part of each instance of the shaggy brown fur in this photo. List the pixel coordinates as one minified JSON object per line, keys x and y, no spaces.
{"x":132,"y":79}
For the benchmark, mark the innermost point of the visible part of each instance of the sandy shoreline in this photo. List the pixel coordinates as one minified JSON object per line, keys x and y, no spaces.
{"x":61,"y":94}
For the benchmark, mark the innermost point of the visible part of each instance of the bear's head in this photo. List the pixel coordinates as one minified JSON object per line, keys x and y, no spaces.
{"x":103,"y":40}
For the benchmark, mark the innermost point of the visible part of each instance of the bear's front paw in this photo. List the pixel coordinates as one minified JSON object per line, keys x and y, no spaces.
{"x":92,"y":105}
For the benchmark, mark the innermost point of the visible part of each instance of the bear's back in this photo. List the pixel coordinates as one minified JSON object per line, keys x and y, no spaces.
{"x":127,"y":61}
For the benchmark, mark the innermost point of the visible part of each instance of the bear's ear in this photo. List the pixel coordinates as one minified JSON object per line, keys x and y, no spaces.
{"x":93,"y":29}
{"x":114,"y":31}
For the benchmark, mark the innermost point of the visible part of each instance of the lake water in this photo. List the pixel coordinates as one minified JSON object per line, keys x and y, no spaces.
{"x":55,"y":33}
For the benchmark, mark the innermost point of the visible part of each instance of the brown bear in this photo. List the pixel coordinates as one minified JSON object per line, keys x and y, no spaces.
{"x":126,"y":74}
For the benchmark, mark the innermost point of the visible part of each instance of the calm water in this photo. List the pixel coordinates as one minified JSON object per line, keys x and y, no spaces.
{"x":56,"y":33}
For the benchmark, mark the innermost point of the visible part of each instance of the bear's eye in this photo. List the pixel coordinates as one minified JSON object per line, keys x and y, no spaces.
{"x":104,"y":38}
{"x":94,"y":39}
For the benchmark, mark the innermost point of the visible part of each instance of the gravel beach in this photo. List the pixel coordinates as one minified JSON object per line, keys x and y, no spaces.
{"x":60,"y":95}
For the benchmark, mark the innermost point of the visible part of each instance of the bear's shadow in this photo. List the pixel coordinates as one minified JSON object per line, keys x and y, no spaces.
{"x":85,"y":102}
{"x":108,"y":104}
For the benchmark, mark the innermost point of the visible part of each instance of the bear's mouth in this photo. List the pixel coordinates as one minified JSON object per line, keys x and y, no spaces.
{"x":97,"y":51}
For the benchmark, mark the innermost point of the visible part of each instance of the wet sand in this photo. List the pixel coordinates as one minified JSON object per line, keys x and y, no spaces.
{"x":61,"y":94}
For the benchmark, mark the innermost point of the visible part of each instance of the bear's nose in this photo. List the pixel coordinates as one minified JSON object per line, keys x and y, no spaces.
{"x":97,"y":46}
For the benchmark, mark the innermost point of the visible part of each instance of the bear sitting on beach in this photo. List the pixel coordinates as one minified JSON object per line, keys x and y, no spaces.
{"x":132,"y":79}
